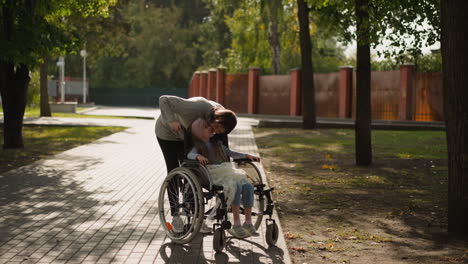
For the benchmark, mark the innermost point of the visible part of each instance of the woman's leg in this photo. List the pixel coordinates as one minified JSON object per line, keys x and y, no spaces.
{"x":173,"y":152}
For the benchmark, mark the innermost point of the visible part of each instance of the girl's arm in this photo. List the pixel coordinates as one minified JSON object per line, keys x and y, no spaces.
{"x":239,"y":155}
{"x":193,"y":155}
{"x":234,"y":154}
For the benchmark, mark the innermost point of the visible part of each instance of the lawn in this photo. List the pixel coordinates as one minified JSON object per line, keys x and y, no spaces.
{"x":35,"y":112}
{"x":394,"y":211}
{"x":43,"y":141}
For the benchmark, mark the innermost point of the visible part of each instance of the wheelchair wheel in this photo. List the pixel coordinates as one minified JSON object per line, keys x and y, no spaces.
{"x":255,"y":178}
{"x":271,"y":235}
{"x":219,"y":240}
{"x":181,"y":196}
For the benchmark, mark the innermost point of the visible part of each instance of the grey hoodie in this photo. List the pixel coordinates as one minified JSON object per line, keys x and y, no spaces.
{"x":185,"y":111}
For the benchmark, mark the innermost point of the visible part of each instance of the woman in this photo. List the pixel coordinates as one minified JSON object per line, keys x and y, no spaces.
{"x":176,"y":116}
{"x":178,"y":113}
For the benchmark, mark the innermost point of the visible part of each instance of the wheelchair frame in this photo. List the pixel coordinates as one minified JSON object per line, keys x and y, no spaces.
{"x":196,"y":189}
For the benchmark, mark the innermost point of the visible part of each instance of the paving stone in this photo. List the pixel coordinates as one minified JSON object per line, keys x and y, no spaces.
{"x":97,"y":203}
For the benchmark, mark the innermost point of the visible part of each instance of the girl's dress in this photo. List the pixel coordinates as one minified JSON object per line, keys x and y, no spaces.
{"x":227,"y":175}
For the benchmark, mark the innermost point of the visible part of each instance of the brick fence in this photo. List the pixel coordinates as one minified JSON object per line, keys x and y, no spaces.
{"x":403,"y":94}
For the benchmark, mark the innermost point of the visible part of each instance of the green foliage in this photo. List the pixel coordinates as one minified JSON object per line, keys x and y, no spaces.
{"x":429,"y":63}
{"x":404,"y":26}
{"x":250,"y":47}
{"x":33,"y":96}
{"x":156,"y":51}
{"x":426,"y":63}
{"x":35,"y":28}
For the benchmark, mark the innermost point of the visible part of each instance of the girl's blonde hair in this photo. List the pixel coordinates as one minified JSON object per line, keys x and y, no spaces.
{"x":216,"y":145}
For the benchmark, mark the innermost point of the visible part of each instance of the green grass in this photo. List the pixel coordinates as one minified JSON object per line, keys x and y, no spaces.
{"x":396,"y":144}
{"x":35,"y":112}
{"x":409,"y":167}
{"x":43,"y":141}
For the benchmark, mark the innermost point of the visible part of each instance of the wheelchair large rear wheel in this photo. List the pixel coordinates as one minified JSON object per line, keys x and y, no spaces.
{"x":255,"y":178}
{"x":181,"y":196}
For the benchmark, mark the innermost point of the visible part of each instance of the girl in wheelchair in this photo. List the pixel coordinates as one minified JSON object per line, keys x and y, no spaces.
{"x":216,"y":157}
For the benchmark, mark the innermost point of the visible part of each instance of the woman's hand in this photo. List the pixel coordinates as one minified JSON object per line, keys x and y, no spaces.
{"x":202,"y":160}
{"x":175,"y":126}
{"x":253,"y":158}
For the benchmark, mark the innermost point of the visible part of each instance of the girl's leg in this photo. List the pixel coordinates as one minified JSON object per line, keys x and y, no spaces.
{"x":236,"y":205}
{"x":247,"y":201}
{"x":237,"y":230}
{"x":236,"y":214}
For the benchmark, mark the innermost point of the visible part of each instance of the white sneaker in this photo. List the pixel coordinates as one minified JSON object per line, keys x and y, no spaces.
{"x":238,"y":231}
{"x":177,"y":224}
{"x":250,"y":229}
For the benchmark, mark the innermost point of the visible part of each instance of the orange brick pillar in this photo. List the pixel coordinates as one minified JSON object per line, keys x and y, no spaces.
{"x":203,"y":84}
{"x":406,"y":105}
{"x":252,"y":90}
{"x":195,"y":85}
{"x":211,"y":88}
{"x":220,"y":85}
{"x":345,"y":92}
{"x":295,"y":93}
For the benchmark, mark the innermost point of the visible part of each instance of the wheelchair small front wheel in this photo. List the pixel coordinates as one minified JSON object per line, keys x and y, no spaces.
{"x":219,"y":240}
{"x":272,"y":233}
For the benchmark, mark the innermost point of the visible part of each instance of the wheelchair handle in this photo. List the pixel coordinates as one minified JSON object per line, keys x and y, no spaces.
{"x":243,"y":160}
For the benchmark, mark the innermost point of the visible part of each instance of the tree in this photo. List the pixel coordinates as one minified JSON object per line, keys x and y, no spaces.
{"x":158,"y":50}
{"x":363,"y":143}
{"x":28,"y":32}
{"x":307,"y":71}
{"x":378,"y":21}
{"x":44,"y":93}
{"x":454,"y":64}
{"x":272,"y":12}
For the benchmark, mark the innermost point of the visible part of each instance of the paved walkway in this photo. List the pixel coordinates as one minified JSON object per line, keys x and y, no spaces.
{"x":97,"y":203}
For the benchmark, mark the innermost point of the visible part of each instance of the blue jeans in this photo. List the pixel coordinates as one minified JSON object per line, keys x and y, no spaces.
{"x":247,"y":192}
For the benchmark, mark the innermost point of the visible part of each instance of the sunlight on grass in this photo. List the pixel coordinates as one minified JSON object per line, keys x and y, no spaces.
{"x":405,"y":164}
{"x":43,"y":141}
{"x":398,"y":144}
{"x":35,"y":112}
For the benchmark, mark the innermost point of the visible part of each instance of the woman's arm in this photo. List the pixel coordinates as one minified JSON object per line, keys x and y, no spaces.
{"x":169,"y":106}
{"x":184,"y":111}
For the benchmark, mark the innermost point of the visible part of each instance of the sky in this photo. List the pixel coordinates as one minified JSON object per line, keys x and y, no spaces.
{"x":350,"y":50}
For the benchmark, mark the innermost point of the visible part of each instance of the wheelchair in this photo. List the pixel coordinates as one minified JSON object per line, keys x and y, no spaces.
{"x":193,"y":191}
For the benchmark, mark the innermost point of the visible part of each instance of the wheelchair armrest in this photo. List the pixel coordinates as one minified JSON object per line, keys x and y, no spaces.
{"x":191,"y":163}
{"x":244,"y":160}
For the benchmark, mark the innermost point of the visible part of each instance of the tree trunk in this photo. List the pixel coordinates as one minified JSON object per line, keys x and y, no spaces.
{"x":13,"y":86}
{"x":363,"y":87}
{"x":454,"y":45}
{"x":273,"y":38}
{"x":44,"y":95}
{"x":274,"y":35}
{"x":307,"y":72}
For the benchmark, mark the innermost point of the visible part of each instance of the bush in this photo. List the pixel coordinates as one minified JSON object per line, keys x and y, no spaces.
{"x":34,"y":88}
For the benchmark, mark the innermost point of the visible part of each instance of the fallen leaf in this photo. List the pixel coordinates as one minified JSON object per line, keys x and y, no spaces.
{"x":299,"y":249}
